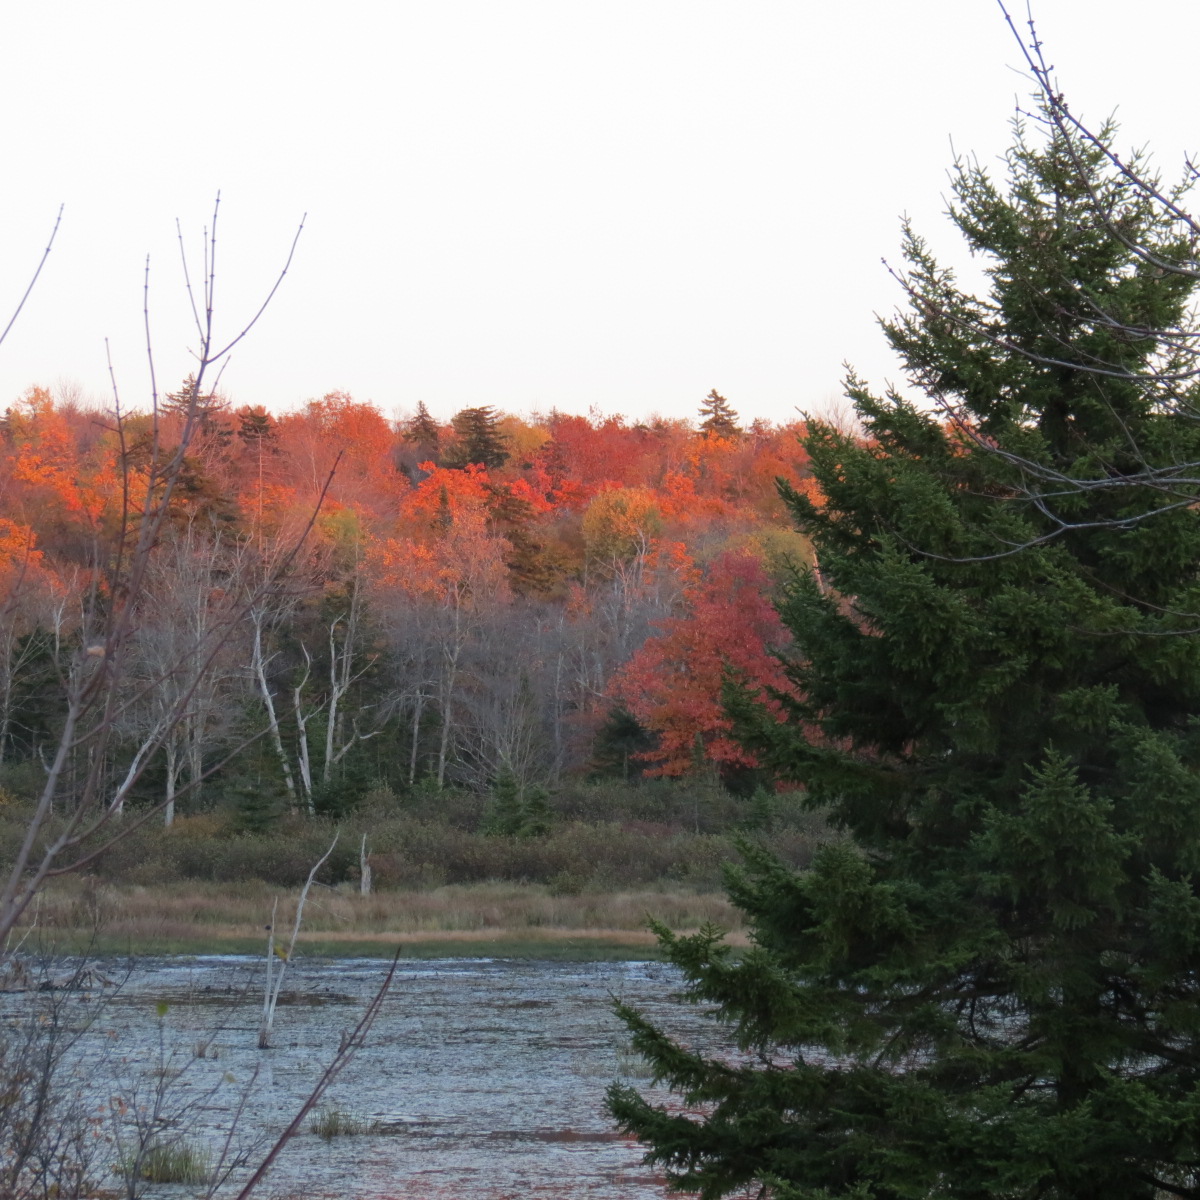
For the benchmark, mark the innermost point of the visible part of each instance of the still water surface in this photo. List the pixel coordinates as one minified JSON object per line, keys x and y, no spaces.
{"x":486,"y":1077}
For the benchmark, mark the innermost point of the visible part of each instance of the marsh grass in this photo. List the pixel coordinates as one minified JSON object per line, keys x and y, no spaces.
{"x":332,"y":1122}
{"x":526,"y":919}
{"x":171,"y":1162}
{"x":631,"y":1065}
{"x":612,"y":856}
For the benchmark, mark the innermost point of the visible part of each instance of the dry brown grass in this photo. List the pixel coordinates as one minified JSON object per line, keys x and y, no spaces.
{"x":200,"y":913}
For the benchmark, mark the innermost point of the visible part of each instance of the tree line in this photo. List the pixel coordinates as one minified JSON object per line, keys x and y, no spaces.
{"x":493,"y":598}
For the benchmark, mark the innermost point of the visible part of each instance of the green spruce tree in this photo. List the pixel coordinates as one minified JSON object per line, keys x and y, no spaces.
{"x":478,"y":439}
{"x":618,"y":747}
{"x":719,"y":419}
{"x":422,"y":431}
{"x":190,"y":399}
{"x":517,"y":809}
{"x":989,"y":984}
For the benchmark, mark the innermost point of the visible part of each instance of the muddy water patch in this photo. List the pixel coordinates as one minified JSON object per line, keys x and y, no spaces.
{"x":482,"y":1078}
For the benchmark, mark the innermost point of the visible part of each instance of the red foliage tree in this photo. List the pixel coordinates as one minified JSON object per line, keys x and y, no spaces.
{"x":672,"y":685}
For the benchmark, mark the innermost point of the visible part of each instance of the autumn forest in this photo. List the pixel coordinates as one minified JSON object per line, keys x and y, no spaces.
{"x":398,"y":603}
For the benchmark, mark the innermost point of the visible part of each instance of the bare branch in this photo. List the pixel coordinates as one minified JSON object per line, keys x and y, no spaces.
{"x":270,"y":295}
{"x":33,"y":280}
{"x":95,"y":682}
{"x":351,"y":1043}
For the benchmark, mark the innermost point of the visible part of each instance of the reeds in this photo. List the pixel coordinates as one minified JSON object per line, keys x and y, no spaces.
{"x":195,"y":913}
{"x":330,"y":1122}
{"x":172,"y":1162}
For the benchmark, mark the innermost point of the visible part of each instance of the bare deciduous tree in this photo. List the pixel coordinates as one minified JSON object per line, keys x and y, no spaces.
{"x":190,"y":593}
{"x":78,"y":812}
{"x":348,"y":663}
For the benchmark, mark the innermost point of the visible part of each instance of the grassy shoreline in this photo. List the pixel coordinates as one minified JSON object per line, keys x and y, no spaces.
{"x":494,"y":919}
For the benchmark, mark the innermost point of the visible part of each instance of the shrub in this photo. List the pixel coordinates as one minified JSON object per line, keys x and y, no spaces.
{"x":601,"y":836}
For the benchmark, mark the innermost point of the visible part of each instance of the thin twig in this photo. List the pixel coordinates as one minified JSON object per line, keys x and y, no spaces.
{"x":34,"y":278}
{"x":351,"y":1043}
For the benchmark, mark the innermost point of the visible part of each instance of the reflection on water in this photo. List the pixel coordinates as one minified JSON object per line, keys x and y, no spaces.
{"x":483,"y":1078}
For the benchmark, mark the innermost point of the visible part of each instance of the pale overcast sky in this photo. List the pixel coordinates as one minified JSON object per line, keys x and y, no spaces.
{"x":525,"y":203}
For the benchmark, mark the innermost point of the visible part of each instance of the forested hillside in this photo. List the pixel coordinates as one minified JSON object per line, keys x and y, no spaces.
{"x":401,"y":604}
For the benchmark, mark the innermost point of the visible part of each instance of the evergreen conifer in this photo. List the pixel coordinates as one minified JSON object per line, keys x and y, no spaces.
{"x":618,"y":747}
{"x":422,"y":431}
{"x":188,"y":398}
{"x":719,"y":419}
{"x":255,"y":426}
{"x":991,"y":986}
{"x":478,"y":439}
{"x":517,"y":810}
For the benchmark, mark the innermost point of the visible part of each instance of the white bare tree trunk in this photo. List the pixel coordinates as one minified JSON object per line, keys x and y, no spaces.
{"x":259,"y":667}
{"x":364,"y":869}
{"x":275,"y":974}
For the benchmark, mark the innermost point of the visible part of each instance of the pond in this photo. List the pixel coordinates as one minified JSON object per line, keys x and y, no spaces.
{"x":481,"y":1078}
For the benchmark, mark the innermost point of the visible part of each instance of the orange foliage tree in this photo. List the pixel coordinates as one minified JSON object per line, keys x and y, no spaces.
{"x":60,"y":486}
{"x":357,"y":436}
{"x":672,"y":685}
